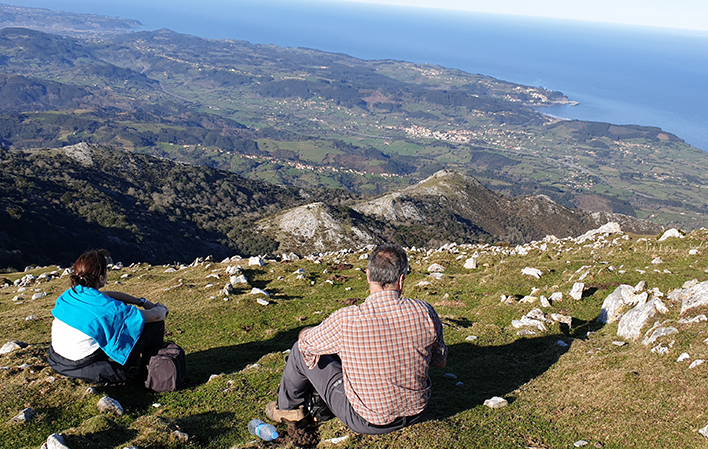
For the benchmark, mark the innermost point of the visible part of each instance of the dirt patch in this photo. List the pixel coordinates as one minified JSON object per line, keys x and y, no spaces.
{"x":343,"y":266}
{"x":350,"y":301}
{"x":337,"y":278}
{"x":301,"y":435}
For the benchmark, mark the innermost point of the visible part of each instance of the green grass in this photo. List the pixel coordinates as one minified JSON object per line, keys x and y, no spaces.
{"x":611,"y":396}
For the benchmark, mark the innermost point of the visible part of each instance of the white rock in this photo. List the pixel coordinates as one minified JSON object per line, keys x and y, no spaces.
{"x":256,"y":261}
{"x":471,"y":263}
{"x":336,"y":440}
{"x":617,"y":303}
{"x":544,"y":301}
{"x":39,"y":295}
{"x":631,"y":323}
{"x":530,"y":322}
{"x":55,"y":441}
{"x":683,"y":357}
{"x":25,"y":415}
{"x":695,"y":363}
{"x":496,"y":402}
{"x":299,"y":271}
{"x":109,"y":405}
{"x":704,"y":431}
{"x":263,"y":302}
{"x":657,"y":261}
{"x":125,"y":276}
{"x":619,"y":343}
{"x":673,"y":232}
{"x":258,"y":291}
{"x":692,"y":252}
{"x":12,"y":345}
{"x":577,"y":291}
{"x":436,"y":268}
{"x":580,"y":443}
{"x":534,"y":272}
{"x":170,"y":270}
{"x":695,"y":296}
{"x":556,"y":296}
{"x":565,"y":319}
{"x":31,"y":318}
{"x":233,"y":269}
{"x":437,"y":276}
{"x":657,"y":333}
{"x":608,"y":228}
{"x":661,"y":350}
{"x":471,"y":338}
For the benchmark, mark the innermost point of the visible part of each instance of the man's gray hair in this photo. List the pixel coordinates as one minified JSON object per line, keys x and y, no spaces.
{"x":386,"y":264}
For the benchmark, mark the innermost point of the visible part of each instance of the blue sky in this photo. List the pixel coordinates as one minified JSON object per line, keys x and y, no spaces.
{"x":683,"y":14}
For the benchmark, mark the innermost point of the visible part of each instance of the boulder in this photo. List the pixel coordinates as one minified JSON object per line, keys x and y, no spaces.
{"x":577,"y":291}
{"x":12,"y":345}
{"x":658,"y":332}
{"x":240,"y":279}
{"x":25,"y":415}
{"x":436,"y":268}
{"x":258,"y":291}
{"x":256,"y":261}
{"x":695,"y":296}
{"x":55,"y":441}
{"x":533,"y":272}
{"x":471,"y":263}
{"x":109,"y":405}
{"x":671,"y":233}
{"x":496,"y":402}
{"x":630,"y":325}
{"x":617,"y":303}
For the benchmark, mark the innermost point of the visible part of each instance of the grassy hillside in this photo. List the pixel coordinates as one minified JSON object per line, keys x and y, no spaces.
{"x":587,"y":388}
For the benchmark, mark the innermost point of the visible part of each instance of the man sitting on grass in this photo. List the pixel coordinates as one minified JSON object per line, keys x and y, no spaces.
{"x":369,"y":363}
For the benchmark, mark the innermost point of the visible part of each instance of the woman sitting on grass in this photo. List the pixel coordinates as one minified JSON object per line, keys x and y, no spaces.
{"x":99,"y":337}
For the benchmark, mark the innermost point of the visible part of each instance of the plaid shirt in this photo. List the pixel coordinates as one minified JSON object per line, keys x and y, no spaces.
{"x":386,"y":345}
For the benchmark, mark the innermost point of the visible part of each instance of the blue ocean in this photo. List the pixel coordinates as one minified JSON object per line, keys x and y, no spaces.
{"x":618,"y":74}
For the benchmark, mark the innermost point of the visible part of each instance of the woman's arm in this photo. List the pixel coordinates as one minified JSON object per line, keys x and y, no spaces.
{"x":157,"y":313}
{"x":129,"y":299}
{"x":153,"y":311}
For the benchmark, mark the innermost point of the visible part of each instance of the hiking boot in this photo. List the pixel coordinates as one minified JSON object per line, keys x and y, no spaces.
{"x":275,"y":414}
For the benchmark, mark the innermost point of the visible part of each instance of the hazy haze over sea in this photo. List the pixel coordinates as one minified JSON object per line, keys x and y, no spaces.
{"x":623,"y":75}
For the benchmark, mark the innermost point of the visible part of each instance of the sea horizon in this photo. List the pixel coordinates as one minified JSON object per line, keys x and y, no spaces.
{"x":627,"y":75}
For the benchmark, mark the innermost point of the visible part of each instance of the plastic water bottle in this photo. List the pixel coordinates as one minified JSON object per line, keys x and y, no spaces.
{"x":264,"y":431}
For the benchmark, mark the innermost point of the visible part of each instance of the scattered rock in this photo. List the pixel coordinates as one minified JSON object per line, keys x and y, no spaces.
{"x":694,"y":296}
{"x":449,"y":376}
{"x":617,"y":302}
{"x":437,"y":276}
{"x":580,"y":443}
{"x":55,"y":441}
{"x":263,"y":302}
{"x":25,"y":415}
{"x":240,"y":279}
{"x":39,"y":295}
{"x":632,"y":322}
{"x":90,"y":391}
{"x":556,"y":296}
{"x":496,"y":402}
{"x":563,"y":319}
{"x":471,"y":338}
{"x":228,"y":289}
{"x":658,"y":332}
{"x":258,"y":291}
{"x":534,"y":318}
{"x":533,"y":272}
{"x":577,"y":291}
{"x":182,"y":436}
{"x":109,"y":405}
{"x":336,"y":440}
{"x":682,"y":357}
{"x":12,"y":345}
{"x":671,"y":233}
{"x":544,"y":301}
{"x":471,"y":263}
{"x":619,"y":343}
{"x":695,"y":363}
{"x":436,"y":268}
{"x":256,"y":261}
